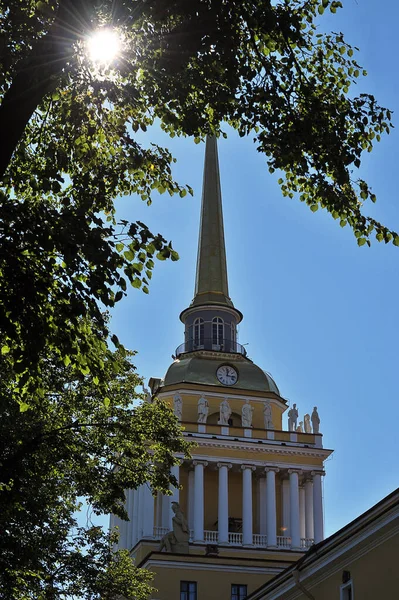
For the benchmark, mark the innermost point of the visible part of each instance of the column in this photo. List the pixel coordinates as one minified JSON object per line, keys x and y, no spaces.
{"x":247,"y":518}
{"x":190,"y":499}
{"x":135,"y":517}
{"x":271,"y":515}
{"x":130,"y":504}
{"x":262,"y":505}
{"x":301,"y":511}
{"x":165,"y":511}
{"x":158,"y":519}
{"x":173,"y":498}
{"x":223,"y":503}
{"x":317,"y":506}
{"x":309,"y":529}
{"x":199,"y":500}
{"x":123,"y":525}
{"x":294,"y":509}
{"x":148,"y":512}
{"x":285,"y":489}
{"x":140,"y":513}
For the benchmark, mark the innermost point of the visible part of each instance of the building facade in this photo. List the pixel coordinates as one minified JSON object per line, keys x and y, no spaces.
{"x":250,"y":501}
{"x":358,"y":562}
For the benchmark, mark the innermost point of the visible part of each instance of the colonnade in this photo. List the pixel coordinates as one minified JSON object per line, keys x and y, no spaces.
{"x":301,"y":510}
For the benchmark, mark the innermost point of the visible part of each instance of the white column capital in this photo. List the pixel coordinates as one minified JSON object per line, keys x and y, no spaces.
{"x":252,"y":467}
{"x":275,"y":469}
{"x":298,"y":471}
{"x":321,"y":472}
{"x":224,"y":464}
{"x":204,"y":463}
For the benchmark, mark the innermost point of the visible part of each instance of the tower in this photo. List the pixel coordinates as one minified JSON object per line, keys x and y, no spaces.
{"x":252,"y":492}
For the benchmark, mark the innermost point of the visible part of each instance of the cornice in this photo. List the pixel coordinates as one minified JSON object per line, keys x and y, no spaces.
{"x":264,"y":448}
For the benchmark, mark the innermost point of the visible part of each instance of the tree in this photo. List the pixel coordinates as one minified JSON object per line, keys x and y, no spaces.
{"x":71,"y":444}
{"x":69,"y":148}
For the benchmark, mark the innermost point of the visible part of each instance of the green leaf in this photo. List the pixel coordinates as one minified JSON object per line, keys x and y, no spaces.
{"x":396,"y":240}
{"x":361,"y":241}
{"x":129,"y":255}
{"x":66,"y":360}
{"x":23,"y":407}
{"x":5,"y":349}
{"x":119,"y":246}
{"x":320,"y":9}
{"x":314,"y":207}
{"x":107,"y":402}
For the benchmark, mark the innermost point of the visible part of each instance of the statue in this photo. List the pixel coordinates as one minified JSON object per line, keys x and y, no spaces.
{"x":176,"y":540}
{"x":178,"y":406}
{"x":147,"y":393}
{"x":225,"y":413}
{"x":315,"y":420}
{"x":203,"y":410}
{"x":246,"y":414}
{"x":308,"y":427}
{"x":299,"y":429}
{"x":292,"y":418}
{"x":267,"y":415}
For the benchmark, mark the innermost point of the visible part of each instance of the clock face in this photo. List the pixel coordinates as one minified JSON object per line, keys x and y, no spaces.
{"x":227,"y":375}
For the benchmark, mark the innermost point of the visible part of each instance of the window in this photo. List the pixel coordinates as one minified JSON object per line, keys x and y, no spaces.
{"x":198,"y":327}
{"x":217,"y":331}
{"x":188,"y":590}
{"x":238,"y":592}
{"x":346,"y":591}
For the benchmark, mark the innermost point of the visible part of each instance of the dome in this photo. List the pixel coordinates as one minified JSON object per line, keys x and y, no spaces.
{"x":202,"y":370}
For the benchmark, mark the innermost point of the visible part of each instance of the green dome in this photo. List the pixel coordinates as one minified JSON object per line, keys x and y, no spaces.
{"x":202,"y":370}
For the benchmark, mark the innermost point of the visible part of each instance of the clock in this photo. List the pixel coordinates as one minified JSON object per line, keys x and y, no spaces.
{"x":227,"y":375}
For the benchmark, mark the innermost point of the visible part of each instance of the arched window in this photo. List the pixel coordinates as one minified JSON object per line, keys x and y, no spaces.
{"x":198,"y":330}
{"x":217,"y":331}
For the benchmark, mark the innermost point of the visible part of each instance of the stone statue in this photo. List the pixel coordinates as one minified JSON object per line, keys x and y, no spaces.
{"x":176,"y":540}
{"x":267,"y":415}
{"x":178,"y":406}
{"x":147,"y":393}
{"x":225,"y":412}
{"x":203,"y":409}
{"x":315,"y":420}
{"x":308,"y":427}
{"x":299,"y":429}
{"x":292,"y":418}
{"x":246,"y":414}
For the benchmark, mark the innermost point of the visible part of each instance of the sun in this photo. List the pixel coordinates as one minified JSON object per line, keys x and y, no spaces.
{"x":104,"y":46}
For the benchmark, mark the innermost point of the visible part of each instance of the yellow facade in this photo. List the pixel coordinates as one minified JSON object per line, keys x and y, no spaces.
{"x":358,"y":562}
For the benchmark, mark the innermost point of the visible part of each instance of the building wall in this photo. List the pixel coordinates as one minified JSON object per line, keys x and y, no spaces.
{"x":211,"y":584}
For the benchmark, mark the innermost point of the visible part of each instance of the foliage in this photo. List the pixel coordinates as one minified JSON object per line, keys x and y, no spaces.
{"x":69,"y":143}
{"x":71,"y":444}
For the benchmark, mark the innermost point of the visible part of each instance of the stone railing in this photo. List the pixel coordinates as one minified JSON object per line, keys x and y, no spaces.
{"x":235,"y":539}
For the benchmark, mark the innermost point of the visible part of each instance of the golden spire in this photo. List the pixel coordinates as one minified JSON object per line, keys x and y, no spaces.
{"x":211,"y":286}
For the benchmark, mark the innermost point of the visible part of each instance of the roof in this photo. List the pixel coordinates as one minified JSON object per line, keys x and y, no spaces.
{"x":201,"y":369}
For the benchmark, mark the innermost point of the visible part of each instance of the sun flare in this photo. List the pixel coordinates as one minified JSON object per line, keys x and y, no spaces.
{"x":103,"y":46}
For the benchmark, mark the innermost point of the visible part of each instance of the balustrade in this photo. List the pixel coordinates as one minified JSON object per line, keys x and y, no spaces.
{"x":235,"y":538}
{"x":283,"y":542}
{"x":260,"y":540}
{"x":211,"y":537}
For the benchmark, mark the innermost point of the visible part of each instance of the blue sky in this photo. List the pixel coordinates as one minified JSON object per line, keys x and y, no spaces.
{"x":320,"y":313}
